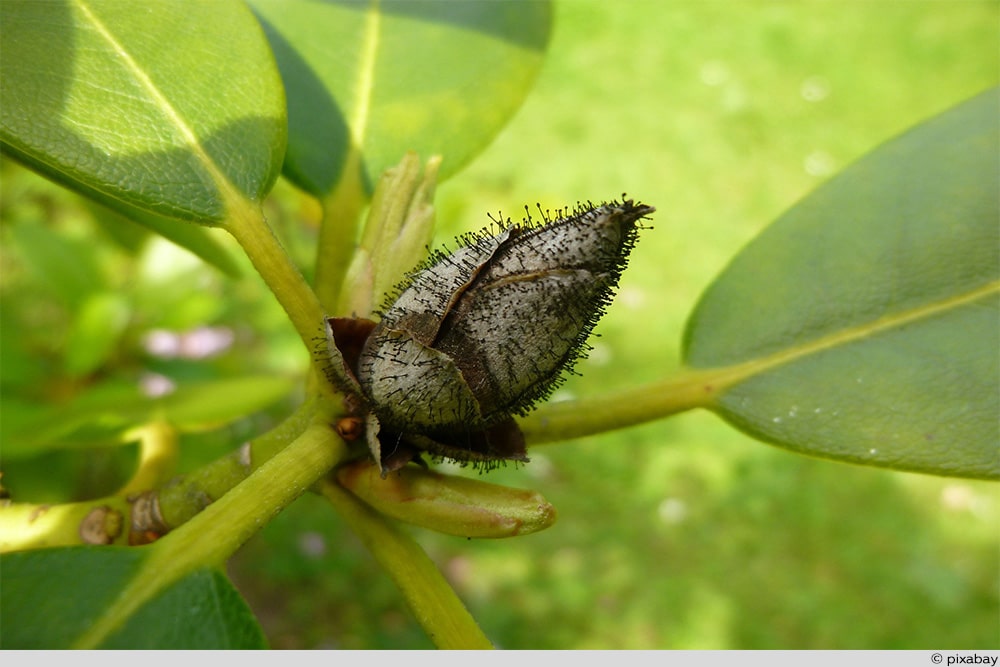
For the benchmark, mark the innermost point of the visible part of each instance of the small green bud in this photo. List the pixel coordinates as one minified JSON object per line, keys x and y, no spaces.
{"x":448,"y":504}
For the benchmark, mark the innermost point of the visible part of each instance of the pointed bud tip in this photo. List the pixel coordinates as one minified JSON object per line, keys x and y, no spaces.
{"x":480,"y":334}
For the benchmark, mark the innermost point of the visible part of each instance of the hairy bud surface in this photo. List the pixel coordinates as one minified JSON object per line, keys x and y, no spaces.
{"x":484,"y":333}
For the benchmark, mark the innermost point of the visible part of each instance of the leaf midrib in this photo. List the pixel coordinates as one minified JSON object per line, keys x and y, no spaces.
{"x":732,"y":375}
{"x":230,"y":195}
{"x":365,"y":82}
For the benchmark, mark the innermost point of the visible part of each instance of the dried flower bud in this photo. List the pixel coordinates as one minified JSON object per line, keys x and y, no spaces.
{"x":483,"y":333}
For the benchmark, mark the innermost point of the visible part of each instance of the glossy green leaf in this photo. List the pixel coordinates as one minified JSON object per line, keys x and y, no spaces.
{"x":174,"y":110}
{"x":52,"y":597}
{"x":434,"y":77}
{"x":202,"y":611}
{"x":863,"y":325}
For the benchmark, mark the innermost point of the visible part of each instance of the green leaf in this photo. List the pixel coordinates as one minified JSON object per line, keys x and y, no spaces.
{"x":177,"y":111}
{"x":202,"y":611}
{"x":863,"y":324}
{"x":196,"y":240}
{"x":95,"y":332}
{"x":104,"y":412}
{"x":52,"y":596}
{"x":385,"y":78}
{"x":97,"y":416}
{"x":203,"y":405}
{"x":66,"y":266}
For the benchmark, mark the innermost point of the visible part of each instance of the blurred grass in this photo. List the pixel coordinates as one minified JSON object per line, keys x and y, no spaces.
{"x":679,"y":534}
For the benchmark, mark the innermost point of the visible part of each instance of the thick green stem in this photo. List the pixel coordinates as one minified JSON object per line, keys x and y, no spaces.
{"x":230,"y":521}
{"x":290,"y":289}
{"x":283,"y":278}
{"x":185,"y":497}
{"x":28,"y":526}
{"x":434,"y":603}
{"x":566,"y":420}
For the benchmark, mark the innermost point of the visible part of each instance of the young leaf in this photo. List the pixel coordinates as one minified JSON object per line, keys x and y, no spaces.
{"x":51,"y":597}
{"x":173,"y":110}
{"x":385,"y":78}
{"x":862,"y":325}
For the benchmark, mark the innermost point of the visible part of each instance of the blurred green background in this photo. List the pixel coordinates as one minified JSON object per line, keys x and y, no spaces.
{"x":682,"y":534}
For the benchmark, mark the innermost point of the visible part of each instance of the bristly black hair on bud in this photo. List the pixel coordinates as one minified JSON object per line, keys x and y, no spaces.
{"x":480,"y":334}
